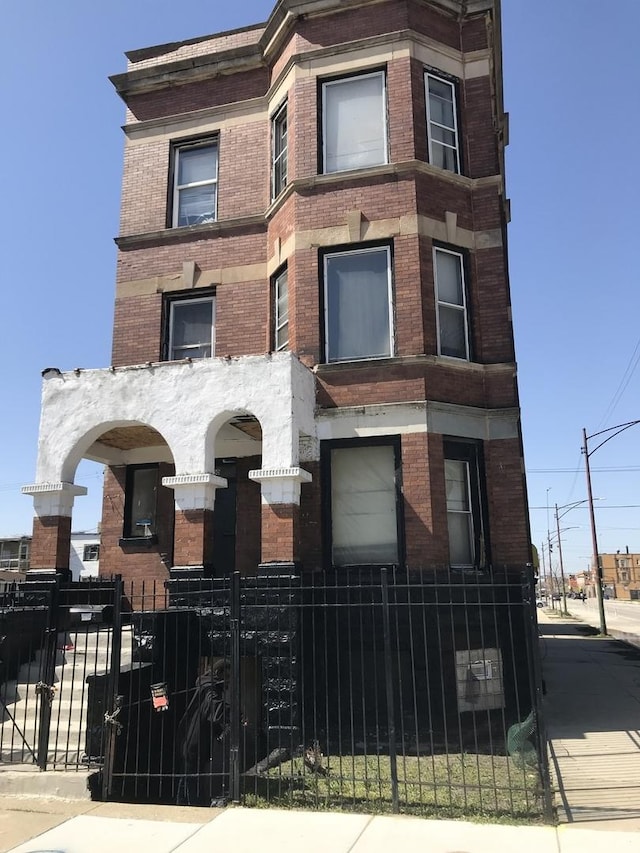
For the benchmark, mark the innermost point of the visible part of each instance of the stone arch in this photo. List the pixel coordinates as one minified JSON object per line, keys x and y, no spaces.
{"x":68,"y":453}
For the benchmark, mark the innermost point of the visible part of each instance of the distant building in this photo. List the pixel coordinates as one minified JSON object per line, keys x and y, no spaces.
{"x":84,"y":556}
{"x":14,"y":553}
{"x":621,"y":575}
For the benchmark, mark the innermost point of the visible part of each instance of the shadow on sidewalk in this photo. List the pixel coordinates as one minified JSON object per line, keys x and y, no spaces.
{"x":592,"y":711}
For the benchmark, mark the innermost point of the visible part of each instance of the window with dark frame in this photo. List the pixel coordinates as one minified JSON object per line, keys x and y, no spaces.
{"x":465,"y":501}
{"x":451,"y":317}
{"x":354,"y":122}
{"x":281,"y":311}
{"x":191,"y":328}
{"x":195,"y":183}
{"x":442,"y":122}
{"x":358,"y":304}
{"x":364,"y":495}
{"x":140,"y":501}
{"x":91,"y":552}
{"x":279,"y":151}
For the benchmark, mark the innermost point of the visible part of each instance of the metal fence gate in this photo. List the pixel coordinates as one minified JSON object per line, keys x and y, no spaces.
{"x":58,"y":646}
{"x":370,"y":691}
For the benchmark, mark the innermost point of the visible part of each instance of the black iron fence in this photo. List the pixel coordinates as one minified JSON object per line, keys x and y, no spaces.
{"x":372,"y":691}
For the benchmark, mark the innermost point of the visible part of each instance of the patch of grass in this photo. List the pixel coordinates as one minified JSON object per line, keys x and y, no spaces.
{"x":480,"y":787}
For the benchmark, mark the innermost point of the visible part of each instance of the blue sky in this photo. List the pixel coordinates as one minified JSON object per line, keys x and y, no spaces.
{"x":571,"y":84}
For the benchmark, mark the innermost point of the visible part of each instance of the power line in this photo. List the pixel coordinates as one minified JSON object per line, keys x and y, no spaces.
{"x":614,"y":469}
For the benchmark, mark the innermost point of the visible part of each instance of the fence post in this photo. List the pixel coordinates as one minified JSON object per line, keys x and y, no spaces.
{"x":234,"y":734}
{"x":113,"y":702}
{"x":535,"y":676}
{"x":44,"y":688}
{"x":388,"y":678}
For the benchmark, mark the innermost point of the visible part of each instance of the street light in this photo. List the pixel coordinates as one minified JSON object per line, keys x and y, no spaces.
{"x":614,"y":430}
{"x":567,"y":508}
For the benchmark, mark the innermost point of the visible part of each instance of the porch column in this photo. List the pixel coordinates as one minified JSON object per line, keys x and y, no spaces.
{"x":194,"y":496}
{"x":280,"y":512}
{"x":53,"y":506}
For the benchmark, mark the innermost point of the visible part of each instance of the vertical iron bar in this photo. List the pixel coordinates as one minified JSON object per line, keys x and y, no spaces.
{"x":535,"y":676}
{"x":47,"y":674}
{"x":234,"y":734}
{"x":388,"y":673}
{"x":112,"y":688}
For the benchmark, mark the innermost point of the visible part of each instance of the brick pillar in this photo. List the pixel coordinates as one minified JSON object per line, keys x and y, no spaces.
{"x":193,"y":537}
{"x":53,"y":505}
{"x":280,"y":512}
{"x":193,"y":527}
{"x":280,"y":533}
{"x":51,"y":542}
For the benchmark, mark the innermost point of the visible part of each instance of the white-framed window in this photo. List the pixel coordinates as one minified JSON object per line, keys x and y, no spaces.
{"x":354,"y":122}
{"x":364,"y":520}
{"x":91,"y":552}
{"x":463,"y":473}
{"x":279,"y":151}
{"x":442,"y":122}
{"x":451,"y":316}
{"x":281,"y":311}
{"x":191,"y":328}
{"x":459,"y":513}
{"x":195,"y":183}
{"x":358,"y":304}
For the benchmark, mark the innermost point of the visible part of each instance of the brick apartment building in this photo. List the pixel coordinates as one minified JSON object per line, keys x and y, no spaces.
{"x":313,"y":356}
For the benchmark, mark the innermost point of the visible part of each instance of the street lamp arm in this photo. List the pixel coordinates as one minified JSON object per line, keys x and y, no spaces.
{"x":618,"y":429}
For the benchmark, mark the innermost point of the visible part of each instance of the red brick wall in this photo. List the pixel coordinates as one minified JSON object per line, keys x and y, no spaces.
{"x":311,"y":519}
{"x":51,"y":542}
{"x":478,"y":136}
{"x":242,"y":318}
{"x":280,"y":532}
{"x":508,"y":519}
{"x":423,"y":486}
{"x":224,"y":89}
{"x":193,"y":538}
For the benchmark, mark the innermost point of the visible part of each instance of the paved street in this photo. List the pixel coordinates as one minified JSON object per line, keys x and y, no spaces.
{"x":623,"y":617}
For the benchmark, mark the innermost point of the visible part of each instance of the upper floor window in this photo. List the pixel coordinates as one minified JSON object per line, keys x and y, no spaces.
{"x":279,"y":151}
{"x":191,"y":328}
{"x":442,"y":123}
{"x":452,"y":321}
{"x":354,"y":122}
{"x":195,"y":183}
{"x":281,"y":311}
{"x":358,"y":304}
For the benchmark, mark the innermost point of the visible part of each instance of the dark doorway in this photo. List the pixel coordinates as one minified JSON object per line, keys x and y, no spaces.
{"x":224,"y":519}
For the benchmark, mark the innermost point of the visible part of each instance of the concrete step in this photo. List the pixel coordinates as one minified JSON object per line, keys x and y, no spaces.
{"x":26,"y":781}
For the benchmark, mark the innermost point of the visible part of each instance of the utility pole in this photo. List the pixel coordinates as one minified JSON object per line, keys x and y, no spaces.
{"x":544,"y":575}
{"x":564,"y":589}
{"x":594,"y":539}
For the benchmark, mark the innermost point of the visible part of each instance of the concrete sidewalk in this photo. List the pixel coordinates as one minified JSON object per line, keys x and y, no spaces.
{"x":107,"y":827}
{"x":592,"y":712}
